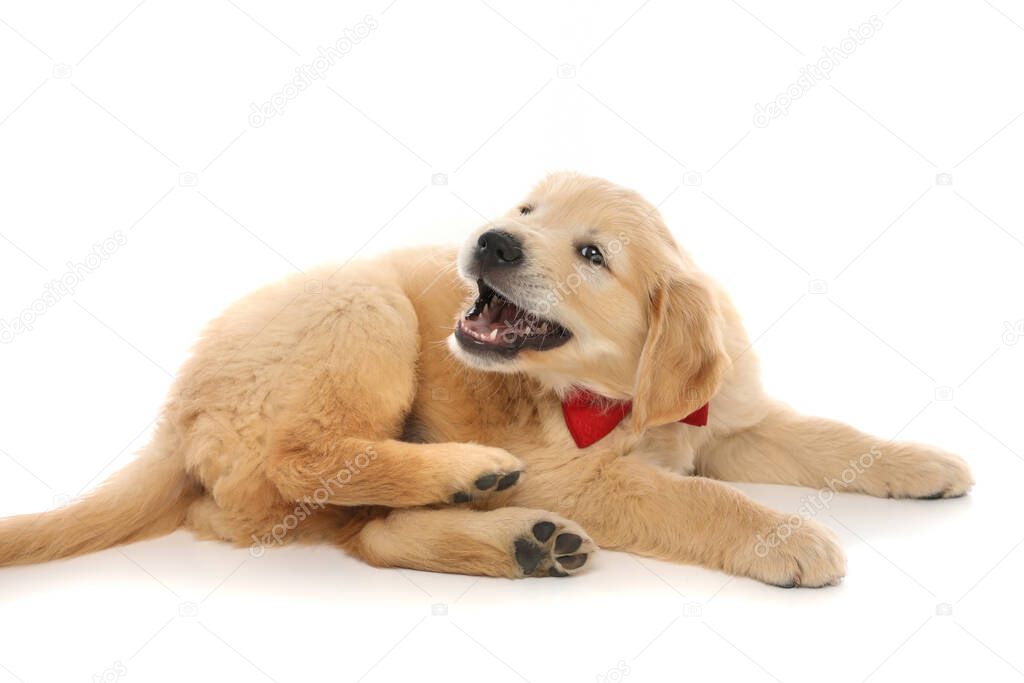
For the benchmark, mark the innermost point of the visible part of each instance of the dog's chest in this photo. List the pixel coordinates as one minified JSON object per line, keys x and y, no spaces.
{"x":467,"y":407}
{"x":534,"y":428}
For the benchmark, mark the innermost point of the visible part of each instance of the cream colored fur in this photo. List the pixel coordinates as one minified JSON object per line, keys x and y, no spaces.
{"x":337,"y":407}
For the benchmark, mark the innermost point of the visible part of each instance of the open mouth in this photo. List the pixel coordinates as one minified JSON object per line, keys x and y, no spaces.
{"x":496,"y":324}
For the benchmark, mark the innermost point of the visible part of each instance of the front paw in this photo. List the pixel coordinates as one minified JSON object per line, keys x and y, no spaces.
{"x":918,"y":471}
{"x":793,"y":552}
{"x":483,"y":471}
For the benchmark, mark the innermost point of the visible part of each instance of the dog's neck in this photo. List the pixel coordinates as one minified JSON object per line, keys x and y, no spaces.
{"x":564,"y":384}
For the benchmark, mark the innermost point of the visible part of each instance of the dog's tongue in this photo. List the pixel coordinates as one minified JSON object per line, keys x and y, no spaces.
{"x":499,"y":315}
{"x":507,"y":313}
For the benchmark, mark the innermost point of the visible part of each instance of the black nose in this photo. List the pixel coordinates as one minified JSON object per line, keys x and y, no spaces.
{"x":495,"y":248}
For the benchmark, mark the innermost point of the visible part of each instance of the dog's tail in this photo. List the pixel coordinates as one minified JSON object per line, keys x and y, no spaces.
{"x":147,"y":498}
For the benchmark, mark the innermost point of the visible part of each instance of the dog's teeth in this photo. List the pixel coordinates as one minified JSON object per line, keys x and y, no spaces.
{"x":494,"y":334}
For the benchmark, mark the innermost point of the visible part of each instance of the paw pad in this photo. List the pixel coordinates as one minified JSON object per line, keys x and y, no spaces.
{"x":542,"y":531}
{"x":567,"y":543}
{"x":487,"y":481}
{"x":548,"y":553}
{"x":508,"y":480}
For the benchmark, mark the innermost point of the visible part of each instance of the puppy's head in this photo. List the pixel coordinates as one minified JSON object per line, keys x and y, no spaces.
{"x":582,"y":285}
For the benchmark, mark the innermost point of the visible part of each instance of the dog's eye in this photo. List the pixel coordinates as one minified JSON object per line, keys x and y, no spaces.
{"x":592,"y":254}
{"x":525,"y":210}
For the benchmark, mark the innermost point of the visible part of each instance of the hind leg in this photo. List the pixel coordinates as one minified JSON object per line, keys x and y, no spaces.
{"x":352,"y":379}
{"x":209,"y":521}
{"x":511,"y":542}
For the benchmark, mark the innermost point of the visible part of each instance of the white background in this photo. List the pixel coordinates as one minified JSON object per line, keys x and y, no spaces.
{"x":876,"y":295}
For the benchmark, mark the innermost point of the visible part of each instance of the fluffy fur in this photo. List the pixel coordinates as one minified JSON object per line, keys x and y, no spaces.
{"x":337,"y":407}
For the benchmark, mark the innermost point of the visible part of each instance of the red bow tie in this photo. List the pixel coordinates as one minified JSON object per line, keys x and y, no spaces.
{"x":589,"y":419}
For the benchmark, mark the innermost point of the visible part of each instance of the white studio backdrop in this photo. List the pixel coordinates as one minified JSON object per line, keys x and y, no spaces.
{"x":851,"y":172}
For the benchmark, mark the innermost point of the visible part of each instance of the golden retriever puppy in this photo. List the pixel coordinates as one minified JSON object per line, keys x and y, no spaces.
{"x":551,"y":388}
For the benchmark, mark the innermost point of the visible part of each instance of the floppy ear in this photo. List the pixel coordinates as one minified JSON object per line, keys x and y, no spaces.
{"x":683,"y":358}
